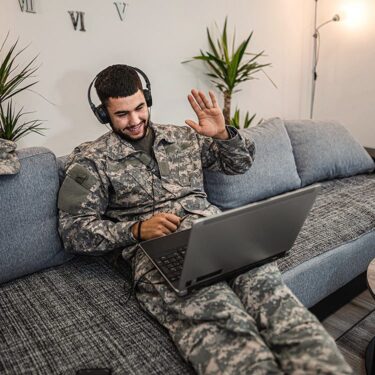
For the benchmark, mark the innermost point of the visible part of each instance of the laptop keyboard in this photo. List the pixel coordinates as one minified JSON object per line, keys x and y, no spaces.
{"x":172,"y":264}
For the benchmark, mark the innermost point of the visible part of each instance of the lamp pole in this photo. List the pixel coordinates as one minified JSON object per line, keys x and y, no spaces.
{"x":316,"y":48}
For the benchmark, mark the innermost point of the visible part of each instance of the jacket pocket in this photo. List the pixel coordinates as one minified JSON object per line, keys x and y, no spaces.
{"x":130,"y":182}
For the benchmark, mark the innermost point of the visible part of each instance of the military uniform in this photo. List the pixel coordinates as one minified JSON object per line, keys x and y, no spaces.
{"x":253,"y":326}
{"x":9,"y":163}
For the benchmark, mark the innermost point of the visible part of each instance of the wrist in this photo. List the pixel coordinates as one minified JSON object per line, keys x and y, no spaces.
{"x":134,"y":230}
{"x":223,"y":135}
{"x":139,"y":236}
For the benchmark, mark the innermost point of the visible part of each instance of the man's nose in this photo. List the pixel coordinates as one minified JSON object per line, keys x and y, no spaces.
{"x":134,"y":118}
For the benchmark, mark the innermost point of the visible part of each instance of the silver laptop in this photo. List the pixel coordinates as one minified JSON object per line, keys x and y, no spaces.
{"x":229,"y":243}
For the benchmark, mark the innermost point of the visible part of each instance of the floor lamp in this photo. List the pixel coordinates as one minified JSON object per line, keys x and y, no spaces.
{"x":316,"y":37}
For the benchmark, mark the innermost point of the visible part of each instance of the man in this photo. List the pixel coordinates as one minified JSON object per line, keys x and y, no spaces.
{"x":142,"y":181}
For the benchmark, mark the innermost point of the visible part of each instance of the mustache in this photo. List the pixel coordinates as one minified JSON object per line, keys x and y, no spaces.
{"x":128,"y":138}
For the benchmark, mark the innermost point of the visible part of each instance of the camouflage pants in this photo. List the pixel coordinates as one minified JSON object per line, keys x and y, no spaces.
{"x":253,"y":326}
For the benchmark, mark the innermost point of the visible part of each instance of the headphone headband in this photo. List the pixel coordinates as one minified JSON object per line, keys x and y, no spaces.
{"x":100,"y":111}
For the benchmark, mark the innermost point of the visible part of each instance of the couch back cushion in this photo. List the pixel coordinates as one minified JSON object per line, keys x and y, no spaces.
{"x":29,"y":239}
{"x":326,"y":150}
{"x":273,"y":171}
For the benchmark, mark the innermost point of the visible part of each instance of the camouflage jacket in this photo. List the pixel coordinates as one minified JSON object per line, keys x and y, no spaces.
{"x":108,"y":188}
{"x":9,"y":163}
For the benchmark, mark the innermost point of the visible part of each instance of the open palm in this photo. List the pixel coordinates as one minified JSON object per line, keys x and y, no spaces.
{"x":210,"y":116}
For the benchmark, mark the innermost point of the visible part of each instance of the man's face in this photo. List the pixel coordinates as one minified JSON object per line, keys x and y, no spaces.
{"x":129,"y":116}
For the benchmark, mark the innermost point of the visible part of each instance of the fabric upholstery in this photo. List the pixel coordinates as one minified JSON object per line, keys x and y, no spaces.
{"x":28,"y":237}
{"x":326,"y":150}
{"x":273,"y":171}
{"x":73,"y":317}
{"x":318,"y":277}
{"x":343,"y":211}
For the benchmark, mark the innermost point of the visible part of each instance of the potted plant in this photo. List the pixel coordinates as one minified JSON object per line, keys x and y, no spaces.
{"x":228,"y":68}
{"x":13,"y":80}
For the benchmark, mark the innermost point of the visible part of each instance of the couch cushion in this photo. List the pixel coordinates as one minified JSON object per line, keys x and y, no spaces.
{"x":343,"y":211}
{"x":336,"y":242}
{"x":28,"y":221}
{"x":318,"y":277}
{"x":326,"y":150}
{"x":74,"y":316}
{"x":273,"y":171}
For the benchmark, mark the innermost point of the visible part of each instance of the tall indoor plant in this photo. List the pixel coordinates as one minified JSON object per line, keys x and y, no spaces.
{"x":229,"y":67}
{"x":13,"y":80}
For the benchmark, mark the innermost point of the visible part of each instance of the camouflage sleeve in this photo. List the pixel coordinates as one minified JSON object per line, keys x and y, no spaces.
{"x":82,"y":202}
{"x":232,"y":156}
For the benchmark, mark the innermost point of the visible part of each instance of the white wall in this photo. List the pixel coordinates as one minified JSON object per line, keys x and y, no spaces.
{"x":346,"y":82}
{"x":156,"y":36}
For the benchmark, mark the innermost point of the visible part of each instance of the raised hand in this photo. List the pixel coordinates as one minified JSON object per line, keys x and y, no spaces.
{"x":210,"y":116}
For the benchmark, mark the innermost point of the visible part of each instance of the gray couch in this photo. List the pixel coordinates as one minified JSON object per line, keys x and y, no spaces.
{"x":60,"y":313}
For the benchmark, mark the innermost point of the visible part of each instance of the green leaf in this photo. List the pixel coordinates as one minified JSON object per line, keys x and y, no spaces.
{"x":233,"y":41}
{"x":9,"y":82}
{"x":227,"y":71}
{"x":236,"y":119}
{"x":212,"y":45}
{"x":11,"y":126}
{"x":13,"y":80}
{"x":224,"y":42}
{"x":248,"y":120}
{"x":236,"y":60}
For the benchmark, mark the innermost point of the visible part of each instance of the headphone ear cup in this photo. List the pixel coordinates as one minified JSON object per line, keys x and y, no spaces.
{"x":101,"y":114}
{"x":148,"y":97}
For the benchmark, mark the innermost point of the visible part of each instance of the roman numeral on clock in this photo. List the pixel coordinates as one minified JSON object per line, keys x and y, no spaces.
{"x":120,"y":9}
{"x":77,"y":19}
{"x":26,"y":6}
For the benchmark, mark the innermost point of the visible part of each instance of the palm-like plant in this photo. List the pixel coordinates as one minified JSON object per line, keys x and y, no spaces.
{"x":228,"y":67}
{"x":13,"y":80}
{"x":235,"y":120}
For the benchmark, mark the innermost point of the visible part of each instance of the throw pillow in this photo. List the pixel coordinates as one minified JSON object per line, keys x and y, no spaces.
{"x":273,"y":171}
{"x":29,"y":240}
{"x":326,"y":150}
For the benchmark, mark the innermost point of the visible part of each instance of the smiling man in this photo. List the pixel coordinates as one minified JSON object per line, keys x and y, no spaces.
{"x":142,"y":180}
{"x":129,"y":116}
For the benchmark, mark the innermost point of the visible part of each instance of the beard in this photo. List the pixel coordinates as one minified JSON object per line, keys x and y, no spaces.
{"x":129,"y":138}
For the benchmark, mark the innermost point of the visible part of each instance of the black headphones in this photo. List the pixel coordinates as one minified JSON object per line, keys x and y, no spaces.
{"x":100,"y":111}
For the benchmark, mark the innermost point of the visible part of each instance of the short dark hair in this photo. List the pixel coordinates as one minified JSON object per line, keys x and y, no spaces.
{"x":117,"y":81}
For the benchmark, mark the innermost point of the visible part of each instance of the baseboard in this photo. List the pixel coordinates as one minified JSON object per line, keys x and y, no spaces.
{"x":341,"y":297}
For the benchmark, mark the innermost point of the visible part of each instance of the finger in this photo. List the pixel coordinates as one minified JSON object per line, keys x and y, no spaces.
{"x":159,"y":227}
{"x":173,"y":218}
{"x":170,"y":226}
{"x":160,"y":233}
{"x":193,"y":125}
{"x":197,"y":97}
{"x":164,"y":229}
{"x":194,"y":105}
{"x":213,"y":99}
{"x":205,"y":100}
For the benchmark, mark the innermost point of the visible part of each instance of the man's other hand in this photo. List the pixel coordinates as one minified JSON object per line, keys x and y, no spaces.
{"x":210,"y":116}
{"x":157,"y":226}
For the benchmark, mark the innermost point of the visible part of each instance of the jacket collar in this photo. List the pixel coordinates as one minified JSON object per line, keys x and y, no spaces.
{"x":118,"y":148}
{"x":163,"y":133}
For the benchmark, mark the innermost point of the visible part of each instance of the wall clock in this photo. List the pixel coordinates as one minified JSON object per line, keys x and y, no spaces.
{"x":77,"y":17}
